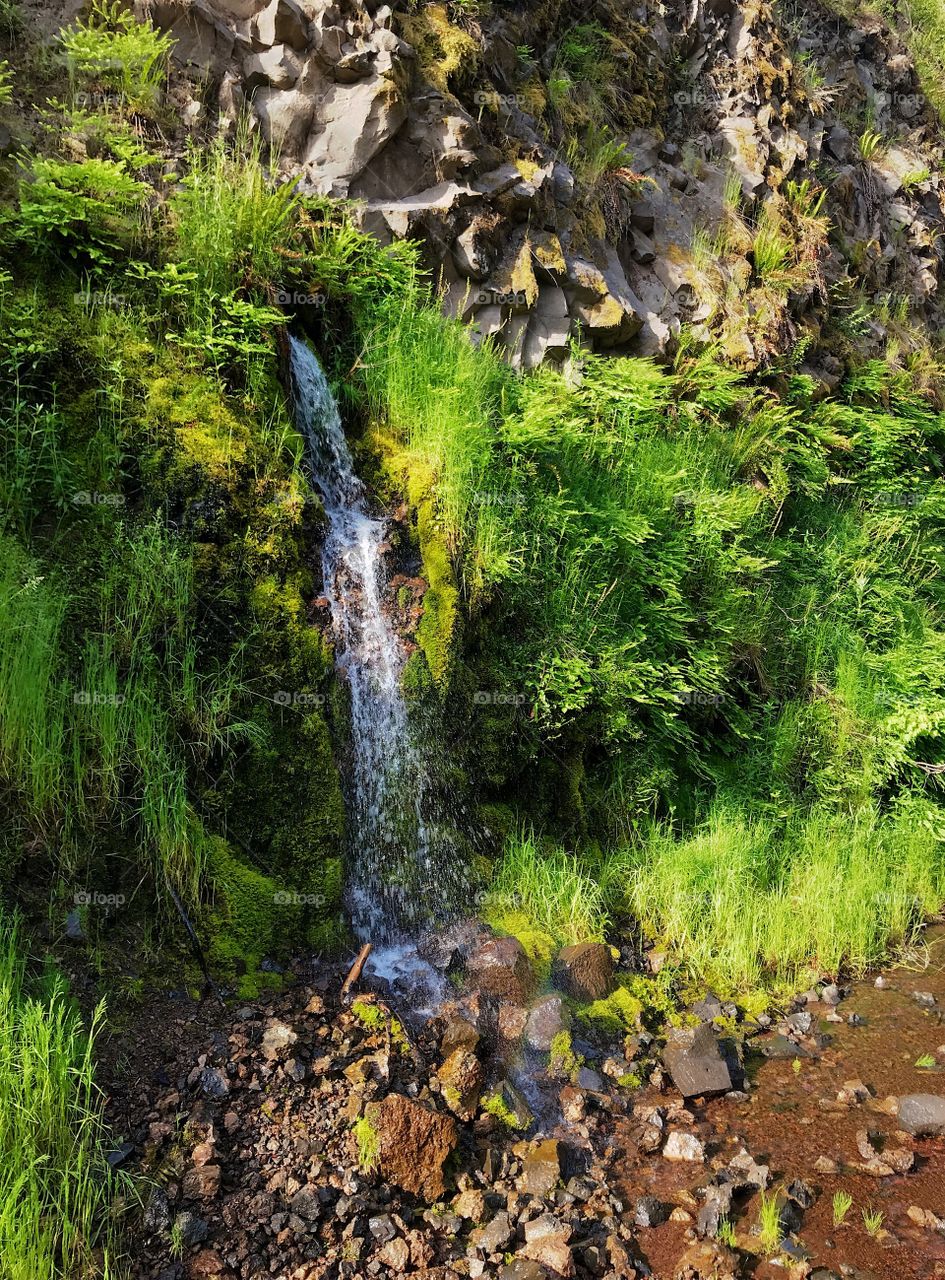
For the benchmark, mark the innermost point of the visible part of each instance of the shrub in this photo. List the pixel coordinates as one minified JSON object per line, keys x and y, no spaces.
{"x":86,"y":207}
{"x":113,"y":49}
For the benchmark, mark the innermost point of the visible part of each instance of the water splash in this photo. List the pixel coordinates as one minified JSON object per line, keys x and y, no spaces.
{"x":405,"y":870}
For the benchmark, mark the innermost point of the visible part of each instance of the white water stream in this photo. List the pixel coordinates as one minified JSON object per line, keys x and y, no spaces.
{"x":404,"y":870}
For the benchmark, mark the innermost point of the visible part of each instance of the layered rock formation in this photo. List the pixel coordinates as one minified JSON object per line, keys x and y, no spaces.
{"x":765,"y":180}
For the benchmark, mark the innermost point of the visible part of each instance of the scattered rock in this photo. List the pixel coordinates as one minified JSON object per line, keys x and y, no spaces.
{"x":541,"y":1168}
{"x":694,"y":1061}
{"x":683,"y":1146}
{"x":922,"y":1114}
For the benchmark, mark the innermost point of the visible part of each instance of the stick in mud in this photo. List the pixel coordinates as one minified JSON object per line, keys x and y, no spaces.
{"x":354,"y":972}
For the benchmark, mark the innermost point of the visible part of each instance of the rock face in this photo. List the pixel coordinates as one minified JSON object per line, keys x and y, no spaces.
{"x":414,"y":1144}
{"x":922,"y":1114}
{"x":444,"y":135}
{"x":584,"y":971}
{"x":694,"y":1061}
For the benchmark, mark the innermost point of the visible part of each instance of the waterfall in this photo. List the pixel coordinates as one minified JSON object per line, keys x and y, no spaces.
{"x":404,"y":868}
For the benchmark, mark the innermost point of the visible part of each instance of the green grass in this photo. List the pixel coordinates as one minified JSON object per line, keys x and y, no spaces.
{"x":59,"y":1202}
{"x":544,"y":897}
{"x":842,"y":1204}
{"x":743,"y":900}
{"x":769,"y":1221}
{"x":873,"y":1221}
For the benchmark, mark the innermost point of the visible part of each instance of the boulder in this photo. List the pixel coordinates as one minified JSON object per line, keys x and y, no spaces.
{"x":278,"y":68}
{"x":281,"y":22}
{"x":547,"y":1017}
{"x":500,"y":968}
{"x":694,"y":1061}
{"x":353,"y":122}
{"x":414,"y":1143}
{"x":584,"y":971}
{"x":922,"y":1114}
{"x":286,"y":118}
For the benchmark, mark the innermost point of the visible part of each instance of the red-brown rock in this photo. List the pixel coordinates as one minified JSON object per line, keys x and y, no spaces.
{"x":414,"y":1144}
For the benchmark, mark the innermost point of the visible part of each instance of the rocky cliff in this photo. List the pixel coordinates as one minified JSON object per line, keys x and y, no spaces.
{"x":768,"y":177}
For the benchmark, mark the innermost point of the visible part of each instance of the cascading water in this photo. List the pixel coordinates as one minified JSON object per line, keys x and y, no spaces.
{"x":404,"y":867}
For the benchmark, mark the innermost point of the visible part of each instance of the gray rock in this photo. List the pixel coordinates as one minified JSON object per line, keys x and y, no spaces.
{"x":590,"y":1080}
{"x":494,"y":1235}
{"x":922,"y":1114}
{"x":277,"y":68}
{"x":190,"y":1229}
{"x":694,"y":1061}
{"x":649,"y":1212}
{"x":74,"y":930}
{"x":214,"y":1082}
{"x":547,"y":1018}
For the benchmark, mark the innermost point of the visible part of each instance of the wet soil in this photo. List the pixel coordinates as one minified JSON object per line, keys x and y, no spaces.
{"x":791,"y":1118}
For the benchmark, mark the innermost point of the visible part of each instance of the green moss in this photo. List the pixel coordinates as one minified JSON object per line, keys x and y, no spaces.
{"x":252,"y":915}
{"x":562,"y":1060}
{"x":496,"y":1106}
{"x":448,"y":55}
{"x":436,"y":633}
{"x":619,"y":1013}
{"x":375,"y":1018}
{"x":369,"y":1144}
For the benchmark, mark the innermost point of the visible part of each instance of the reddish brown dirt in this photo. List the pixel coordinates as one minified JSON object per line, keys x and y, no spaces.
{"x":792,"y":1117}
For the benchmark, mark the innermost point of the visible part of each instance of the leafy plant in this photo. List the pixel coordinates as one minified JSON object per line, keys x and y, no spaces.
{"x":86,"y":207}
{"x":114,"y":50}
{"x":869,"y":145}
{"x":6,"y":82}
{"x":925,"y":1060}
